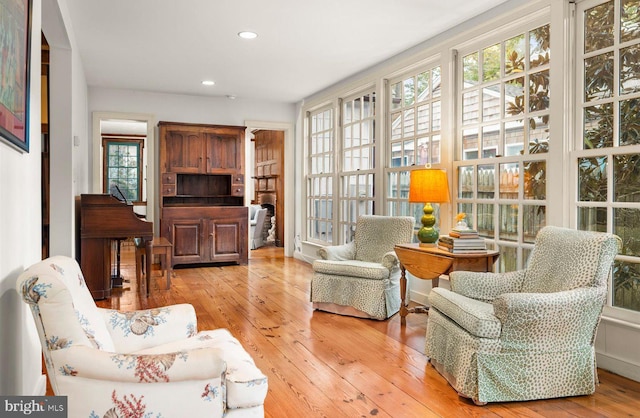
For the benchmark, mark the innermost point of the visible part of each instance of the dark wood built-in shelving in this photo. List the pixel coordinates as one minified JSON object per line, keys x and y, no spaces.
{"x":202,"y":189}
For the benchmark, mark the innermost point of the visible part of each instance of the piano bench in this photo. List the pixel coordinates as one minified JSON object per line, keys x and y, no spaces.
{"x":162,"y":247}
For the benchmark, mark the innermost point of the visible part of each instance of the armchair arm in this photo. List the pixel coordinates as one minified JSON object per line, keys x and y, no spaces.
{"x":92,"y":363}
{"x":338,"y":252}
{"x":137,"y":330}
{"x":550,"y":321}
{"x":485,"y":286}
{"x":390,"y":260}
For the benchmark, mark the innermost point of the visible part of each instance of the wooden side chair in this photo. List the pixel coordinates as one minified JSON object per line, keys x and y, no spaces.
{"x":162,"y":247}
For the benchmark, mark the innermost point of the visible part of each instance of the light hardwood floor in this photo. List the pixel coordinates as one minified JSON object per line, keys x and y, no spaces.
{"x":325,"y":365}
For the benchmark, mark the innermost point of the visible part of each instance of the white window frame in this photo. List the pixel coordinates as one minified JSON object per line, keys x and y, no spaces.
{"x":397,"y":177}
{"x":577,"y":152}
{"x":325,"y":224}
{"x":364,"y":177}
{"x":520,"y":246}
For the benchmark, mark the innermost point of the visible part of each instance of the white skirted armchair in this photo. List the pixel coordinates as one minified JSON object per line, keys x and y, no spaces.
{"x":362,"y":278}
{"x":526,"y":334}
{"x":258,"y":215}
{"x":142,"y":363}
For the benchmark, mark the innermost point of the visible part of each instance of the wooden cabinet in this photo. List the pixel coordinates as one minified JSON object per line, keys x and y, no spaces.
{"x":224,"y":150}
{"x":182,"y":150}
{"x":201,"y":149}
{"x":206,"y":234}
{"x":202,"y":192}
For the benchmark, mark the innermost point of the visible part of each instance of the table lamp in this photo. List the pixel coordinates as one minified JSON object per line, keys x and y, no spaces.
{"x":430,"y":186}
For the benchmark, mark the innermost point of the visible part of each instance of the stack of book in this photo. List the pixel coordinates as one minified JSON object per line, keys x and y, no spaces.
{"x":462,"y":241}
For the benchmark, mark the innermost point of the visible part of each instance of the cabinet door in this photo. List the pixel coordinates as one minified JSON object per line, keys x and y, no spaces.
{"x":187,"y":238}
{"x":227,"y":239}
{"x":184,"y":151}
{"x":224,"y":153}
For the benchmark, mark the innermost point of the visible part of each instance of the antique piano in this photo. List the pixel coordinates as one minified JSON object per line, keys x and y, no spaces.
{"x":103,"y":218}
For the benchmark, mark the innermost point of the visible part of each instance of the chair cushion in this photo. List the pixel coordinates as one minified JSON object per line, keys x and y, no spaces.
{"x":246,"y":385}
{"x":253,"y":209}
{"x":377,"y":235}
{"x":475,"y":316}
{"x":565,"y":259}
{"x":352,"y":268}
{"x":338,"y":252}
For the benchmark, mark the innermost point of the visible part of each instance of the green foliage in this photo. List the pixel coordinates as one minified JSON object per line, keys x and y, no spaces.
{"x":600,"y":74}
{"x":626,"y":284}
{"x":470,"y":68}
{"x":491,"y":63}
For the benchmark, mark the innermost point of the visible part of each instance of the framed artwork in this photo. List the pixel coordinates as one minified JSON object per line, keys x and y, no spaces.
{"x":15,"y":31}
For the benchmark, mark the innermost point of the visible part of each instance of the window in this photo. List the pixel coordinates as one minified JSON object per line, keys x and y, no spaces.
{"x":607,"y":156}
{"x":503,"y":140}
{"x":414,"y":131}
{"x":320,"y":178}
{"x":123,"y":168}
{"x":358,"y":162}
{"x":414,"y":103}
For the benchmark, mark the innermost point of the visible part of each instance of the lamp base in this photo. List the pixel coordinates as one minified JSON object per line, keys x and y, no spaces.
{"x":428,"y":244}
{"x":428,"y":234}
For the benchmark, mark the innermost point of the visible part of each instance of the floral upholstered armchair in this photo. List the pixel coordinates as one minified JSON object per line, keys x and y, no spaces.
{"x":525,"y":334}
{"x":362,"y":278}
{"x":147,"y":363}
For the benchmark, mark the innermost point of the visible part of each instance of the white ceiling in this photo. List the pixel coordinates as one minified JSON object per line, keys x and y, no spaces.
{"x":303,"y":46}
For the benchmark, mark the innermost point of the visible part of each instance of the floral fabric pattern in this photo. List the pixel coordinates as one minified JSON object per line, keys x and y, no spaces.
{"x":149,"y":368}
{"x":129,"y":406}
{"x":109,"y":363}
{"x":140,"y":323}
{"x":536,"y":340}
{"x":33,"y":290}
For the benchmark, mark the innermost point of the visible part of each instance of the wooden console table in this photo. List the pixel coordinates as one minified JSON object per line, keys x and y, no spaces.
{"x":429,"y":263}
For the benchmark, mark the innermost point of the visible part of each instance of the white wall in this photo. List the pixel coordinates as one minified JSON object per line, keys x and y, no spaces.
{"x":20,"y":186}
{"x":20,"y":224}
{"x":190,"y":109}
{"x":178,"y":108}
{"x":67,"y":119}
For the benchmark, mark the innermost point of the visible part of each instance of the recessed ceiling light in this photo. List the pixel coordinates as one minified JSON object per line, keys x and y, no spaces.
{"x":247,"y":35}
{"x":208,"y":82}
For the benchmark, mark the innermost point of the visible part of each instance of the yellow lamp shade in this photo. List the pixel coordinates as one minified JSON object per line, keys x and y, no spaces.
{"x":428,"y":185}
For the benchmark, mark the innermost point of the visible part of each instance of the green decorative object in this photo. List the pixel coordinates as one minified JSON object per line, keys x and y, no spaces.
{"x":430,"y":186}
{"x":428,"y":234}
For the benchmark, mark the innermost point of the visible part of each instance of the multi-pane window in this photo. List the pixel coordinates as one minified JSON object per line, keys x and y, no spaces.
{"x":320,"y":176}
{"x":414,"y":134}
{"x":505,"y":97}
{"x":608,"y":153}
{"x":503,"y":133}
{"x":414,"y":105}
{"x":123,"y":168}
{"x":358,"y":161}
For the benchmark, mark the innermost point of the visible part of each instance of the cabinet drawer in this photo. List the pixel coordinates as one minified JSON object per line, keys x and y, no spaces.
{"x":169,"y":178}
{"x":168,"y":189}
{"x":237,"y":190}
{"x":237,"y":179}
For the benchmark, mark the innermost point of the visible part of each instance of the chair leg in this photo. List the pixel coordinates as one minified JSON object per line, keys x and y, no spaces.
{"x":478,"y":403}
{"x":139,"y":264}
{"x":167,"y":257}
